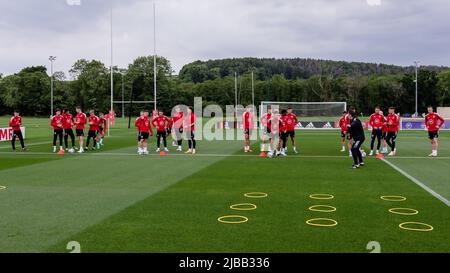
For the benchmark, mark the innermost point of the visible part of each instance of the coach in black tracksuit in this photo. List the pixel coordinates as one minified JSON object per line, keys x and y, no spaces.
{"x":356,"y":130}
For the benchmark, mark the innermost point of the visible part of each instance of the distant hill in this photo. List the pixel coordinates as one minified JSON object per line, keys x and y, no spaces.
{"x":264,"y":69}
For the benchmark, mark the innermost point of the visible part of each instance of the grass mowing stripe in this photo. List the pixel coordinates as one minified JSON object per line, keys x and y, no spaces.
{"x":420,"y":184}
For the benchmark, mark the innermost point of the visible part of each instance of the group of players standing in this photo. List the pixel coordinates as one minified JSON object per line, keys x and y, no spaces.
{"x":63,"y":123}
{"x":178,"y":124}
{"x":384,"y":131}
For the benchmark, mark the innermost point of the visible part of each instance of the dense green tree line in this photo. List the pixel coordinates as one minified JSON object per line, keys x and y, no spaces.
{"x":88,"y":85}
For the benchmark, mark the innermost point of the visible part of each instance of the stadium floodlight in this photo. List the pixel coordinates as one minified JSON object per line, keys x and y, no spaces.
{"x":52,"y":59}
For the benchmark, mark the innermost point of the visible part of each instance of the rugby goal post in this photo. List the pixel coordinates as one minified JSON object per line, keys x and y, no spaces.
{"x":311,"y":115}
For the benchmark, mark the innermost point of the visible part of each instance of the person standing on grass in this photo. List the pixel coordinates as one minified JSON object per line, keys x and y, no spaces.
{"x":57,"y":123}
{"x":393,"y":123}
{"x":376,"y":121}
{"x":68,"y":131}
{"x":291,"y":123}
{"x":264,"y":121}
{"x":80,"y":121}
{"x":15,"y":122}
{"x":144,"y":128}
{"x":433,"y":123}
{"x":343,"y":122}
{"x":101,"y":130}
{"x":189,"y":126}
{"x":161,"y":123}
{"x":93,"y":128}
{"x":356,"y":130}
{"x":384,"y":130}
{"x":177,"y":129}
{"x":248,"y":124}
{"x":283,"y":127}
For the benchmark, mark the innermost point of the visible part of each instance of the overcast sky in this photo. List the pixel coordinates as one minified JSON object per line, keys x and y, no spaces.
{"x":393,"y":31}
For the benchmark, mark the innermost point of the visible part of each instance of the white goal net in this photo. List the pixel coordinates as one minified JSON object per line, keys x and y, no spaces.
{"x":311,"y":115}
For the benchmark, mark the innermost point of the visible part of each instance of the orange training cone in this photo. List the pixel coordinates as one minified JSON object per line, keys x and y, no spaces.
{"x":61,"y":152}
{"x":380,"y":156}
{"x":162,"y":153}
{"x":263,"y":154}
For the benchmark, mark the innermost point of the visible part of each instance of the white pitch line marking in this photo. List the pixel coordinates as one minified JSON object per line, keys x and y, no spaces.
{"x":420,"y":184}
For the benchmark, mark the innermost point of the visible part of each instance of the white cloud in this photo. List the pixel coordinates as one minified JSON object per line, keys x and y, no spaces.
{"x":398,"y":31}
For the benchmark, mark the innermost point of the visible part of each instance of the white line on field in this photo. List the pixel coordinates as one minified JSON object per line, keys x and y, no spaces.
{"x":212,"y":155}
{"x":29,"y":145}
{"x":420,"y":184}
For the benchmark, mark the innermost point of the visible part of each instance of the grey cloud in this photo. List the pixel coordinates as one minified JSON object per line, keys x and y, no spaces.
{"x":398,"y":31}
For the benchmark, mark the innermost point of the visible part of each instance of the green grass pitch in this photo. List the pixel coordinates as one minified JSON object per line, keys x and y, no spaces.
{"x":116,"y":201}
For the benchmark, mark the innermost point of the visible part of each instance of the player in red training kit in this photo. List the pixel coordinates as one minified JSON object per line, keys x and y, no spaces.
{"x":264,"y":121}
{"x":177,"y":128}
{"x":393,"y":123}
{"x":384,"y":131}
{"x":434,"y":123}
{"x":94,"y":122}
{"x":101,"y":130}
{"x":80,"y":121}
{"x":57,"y":123}
{"x":291,"y":122}
{"x":161,"y":123}
{"x":248,"y":124}
{"x":68,"y":131}
{"x":343,"y":122}
{"x":15,"y":122}
{"x":189,"y":127}
{"x":376,"y":121}
{"x":144,"y":126}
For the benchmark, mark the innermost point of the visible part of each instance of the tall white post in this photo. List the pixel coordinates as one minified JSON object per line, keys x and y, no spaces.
{"x":417,"y":90}
{"x":111,"y":67}
{"x":52,"y":59}
{"x":154,"y":56}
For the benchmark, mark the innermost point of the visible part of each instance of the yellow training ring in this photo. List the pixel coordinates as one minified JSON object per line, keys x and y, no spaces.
{"x":393,"y":198}
{"x":426,"y":229}
{"x":244,"y":206}
{"x":320,"y":196}
{"x":322,"y":208}
{"x":313,"y":222}
{"x":404,"y":211}
{"x":224,"y":219}
{"x":256,"y":195}
{"x":2,"y":188}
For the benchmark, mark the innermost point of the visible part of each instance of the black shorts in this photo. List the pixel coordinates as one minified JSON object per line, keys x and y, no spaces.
{"x":247,"y":132}
{"x":101,"y":130}
{"x":343,"y":134}
{"x":92,"y":133}
{"x":377,"y":133}
{"x":284,"y":135}
{"x":383,"y":135}
{"x":268,"y":131}
{"x":161,"y":134}
{"x":290,"y":133}
{"x":143,"y":136}
{"x":80,"y":132}
{"x":18,"y":134}
{"x":391,"y":135}
{"x":68,"y":132}
{"x":58,"y":132}
{"x":433,"y":135}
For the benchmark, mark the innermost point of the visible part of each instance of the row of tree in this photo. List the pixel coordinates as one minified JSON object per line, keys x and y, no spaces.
{"x":89,"y":86}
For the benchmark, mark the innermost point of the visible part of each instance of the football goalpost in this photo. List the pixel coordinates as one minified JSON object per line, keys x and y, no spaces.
{"x":311,"y":115}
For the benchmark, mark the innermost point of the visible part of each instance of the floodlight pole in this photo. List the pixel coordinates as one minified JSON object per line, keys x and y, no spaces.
{"x":52,"y":59}
{"x":123,"y":98}
{"x":253,"y":89}
{"x":154,"y":56}
{"x":235,"y":93}
{"x":111,"y":69}
{"x":417,"y":89}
